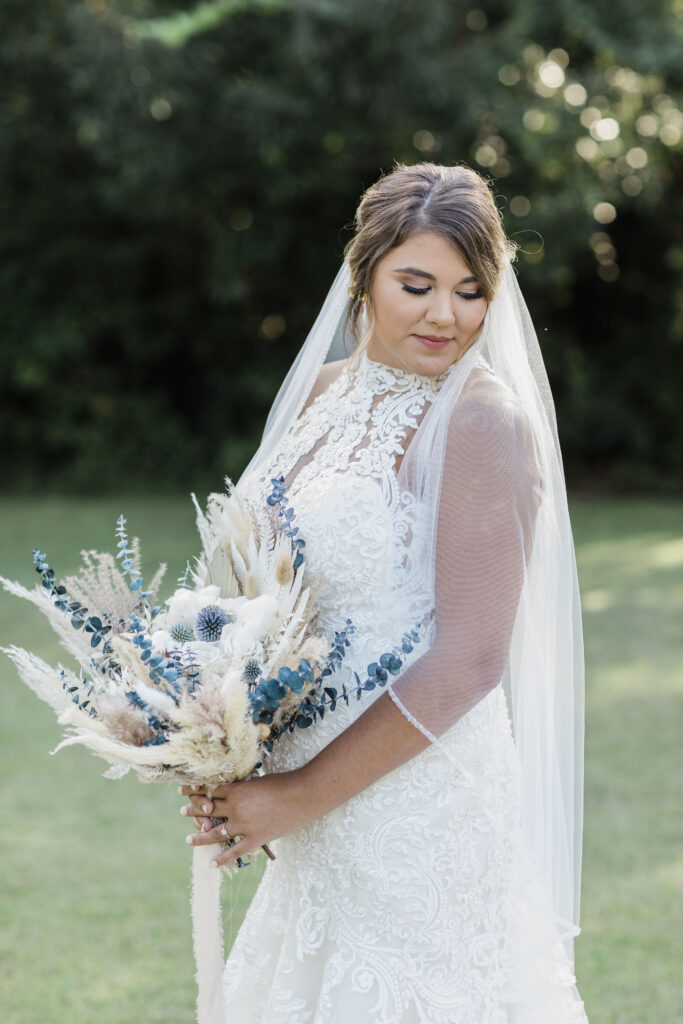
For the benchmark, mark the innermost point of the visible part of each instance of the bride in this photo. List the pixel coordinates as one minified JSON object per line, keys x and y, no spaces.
{"x":427,"y":837}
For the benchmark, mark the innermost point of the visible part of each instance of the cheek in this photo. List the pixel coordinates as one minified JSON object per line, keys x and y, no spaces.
{"x":402,"y":312}
{"x":471,"y":318}
{"x":394,"y":314}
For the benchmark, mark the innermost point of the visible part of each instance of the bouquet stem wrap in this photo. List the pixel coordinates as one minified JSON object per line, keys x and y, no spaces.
{"x":207,"y":934}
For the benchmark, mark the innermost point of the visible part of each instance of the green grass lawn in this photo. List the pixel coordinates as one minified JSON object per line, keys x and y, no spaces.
{"x":94,"y":915}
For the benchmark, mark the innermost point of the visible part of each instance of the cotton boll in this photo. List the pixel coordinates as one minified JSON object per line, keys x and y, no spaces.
{"x":260,"y":615}
{"x":184,"y":604}
{"x":161,"y":640}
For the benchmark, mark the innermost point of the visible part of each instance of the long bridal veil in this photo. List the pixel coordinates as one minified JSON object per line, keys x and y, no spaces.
{"x":498,"y":596}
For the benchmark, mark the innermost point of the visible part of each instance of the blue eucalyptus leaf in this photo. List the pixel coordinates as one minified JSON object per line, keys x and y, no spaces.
{"x":274,"y":689}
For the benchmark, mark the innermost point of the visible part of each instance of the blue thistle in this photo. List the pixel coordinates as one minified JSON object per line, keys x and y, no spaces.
{"x":209,"y":623}
{"x":252,"y":670}
{"x":181,"y":633}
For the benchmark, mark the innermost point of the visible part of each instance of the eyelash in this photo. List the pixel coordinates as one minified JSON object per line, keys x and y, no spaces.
{"x":423,"y":291}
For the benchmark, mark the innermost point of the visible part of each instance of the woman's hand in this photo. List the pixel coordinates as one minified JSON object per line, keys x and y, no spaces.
{"x":259,"y":809}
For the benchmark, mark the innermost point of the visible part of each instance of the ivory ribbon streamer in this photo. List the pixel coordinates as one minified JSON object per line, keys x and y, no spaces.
{"x":207,"y":933}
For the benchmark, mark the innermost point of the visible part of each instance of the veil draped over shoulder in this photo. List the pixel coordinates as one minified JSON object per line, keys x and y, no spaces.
{"x":498,"y":598}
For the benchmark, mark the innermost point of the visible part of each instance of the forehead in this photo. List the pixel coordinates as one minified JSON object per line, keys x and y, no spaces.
{"x":427,"y":251}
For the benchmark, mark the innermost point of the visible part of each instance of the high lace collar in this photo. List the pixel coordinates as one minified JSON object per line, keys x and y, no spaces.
{"x":378,"y":373}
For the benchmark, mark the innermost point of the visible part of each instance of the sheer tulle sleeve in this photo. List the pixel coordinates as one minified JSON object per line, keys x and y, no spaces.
{"x":490,"y":494}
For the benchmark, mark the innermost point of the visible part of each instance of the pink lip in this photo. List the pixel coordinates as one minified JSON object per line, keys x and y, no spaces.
{"x":431,"y":341}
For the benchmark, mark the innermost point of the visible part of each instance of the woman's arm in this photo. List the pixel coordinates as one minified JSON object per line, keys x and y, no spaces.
{"x":269,"y":806}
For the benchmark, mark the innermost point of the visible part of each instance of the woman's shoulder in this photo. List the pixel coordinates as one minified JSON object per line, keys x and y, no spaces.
{"x":490,"y":412}
{"x":485,"y":388}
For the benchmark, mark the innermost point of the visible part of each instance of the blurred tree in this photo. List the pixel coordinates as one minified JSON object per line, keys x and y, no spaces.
{"x":173,"y":214}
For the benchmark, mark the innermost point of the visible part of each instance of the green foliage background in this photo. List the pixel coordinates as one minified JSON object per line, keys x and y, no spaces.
{"x":177,"y":188}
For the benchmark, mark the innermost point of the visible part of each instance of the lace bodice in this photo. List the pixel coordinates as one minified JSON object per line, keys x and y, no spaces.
{"x":340,"y":461}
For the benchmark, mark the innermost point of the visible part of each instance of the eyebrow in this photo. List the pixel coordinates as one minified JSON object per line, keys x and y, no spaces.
{"x":423,"y":273}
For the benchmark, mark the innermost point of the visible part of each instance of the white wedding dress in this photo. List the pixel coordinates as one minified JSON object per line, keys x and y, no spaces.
{"x":401,"y":906}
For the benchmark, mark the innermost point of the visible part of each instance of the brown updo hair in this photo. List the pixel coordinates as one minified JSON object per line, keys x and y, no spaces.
{"x":453,"y":201}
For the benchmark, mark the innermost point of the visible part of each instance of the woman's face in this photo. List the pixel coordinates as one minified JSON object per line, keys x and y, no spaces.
{"x":424,"y":290}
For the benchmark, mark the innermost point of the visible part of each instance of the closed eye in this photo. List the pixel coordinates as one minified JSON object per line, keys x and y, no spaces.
{"x":423,"y":291}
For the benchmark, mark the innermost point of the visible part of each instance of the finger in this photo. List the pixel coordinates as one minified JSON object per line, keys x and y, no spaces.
{"x":202,"y":805}
{"x":189,"y":790}
{"x":202,"y":824}
{"x":218,"y":834}
{"x":240,"y":849}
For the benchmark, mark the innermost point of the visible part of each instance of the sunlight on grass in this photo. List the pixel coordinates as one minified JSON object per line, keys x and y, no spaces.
{"x":95,"y":923}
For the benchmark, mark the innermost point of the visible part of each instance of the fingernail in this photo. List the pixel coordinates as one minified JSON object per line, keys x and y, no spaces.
{"x":189,"y":839}
{"x":184,"y":810}
{"x":206,"y":826}
{"x":195,"y":787}
{"x":180,"y":789}
{"x":207,"y":807}
{"x":214,"y":863}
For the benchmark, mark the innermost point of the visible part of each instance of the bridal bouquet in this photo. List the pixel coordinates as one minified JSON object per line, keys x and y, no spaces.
{"x":198,"y":689}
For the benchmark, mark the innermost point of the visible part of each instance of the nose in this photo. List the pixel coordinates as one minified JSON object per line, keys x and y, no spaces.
{"x":440,"y":310}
